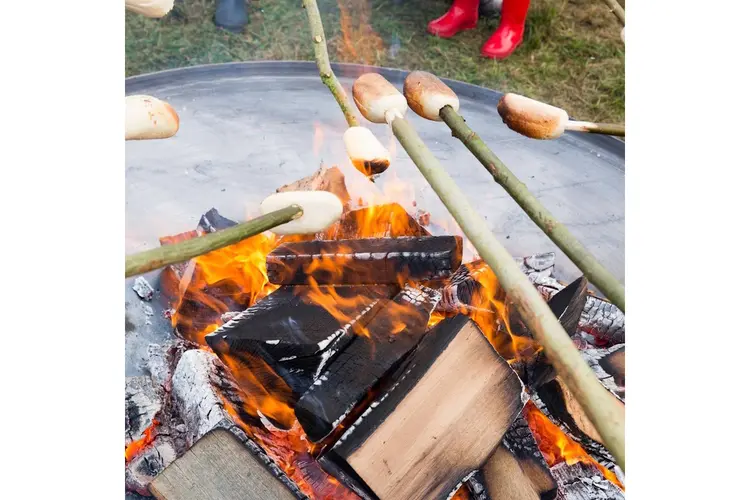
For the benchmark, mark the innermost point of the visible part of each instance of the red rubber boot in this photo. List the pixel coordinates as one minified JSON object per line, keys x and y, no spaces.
{"x":509,"y":35}
{"x":462,"y":15}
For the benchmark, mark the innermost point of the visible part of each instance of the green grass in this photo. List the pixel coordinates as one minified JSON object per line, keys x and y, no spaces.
{"x":572,"y":55}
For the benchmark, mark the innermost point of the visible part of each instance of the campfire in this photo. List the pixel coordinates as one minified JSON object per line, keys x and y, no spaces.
{"x":377,"y":359}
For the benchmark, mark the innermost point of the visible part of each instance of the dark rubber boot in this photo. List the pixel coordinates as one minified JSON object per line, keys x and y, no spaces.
{"x":231,"y":15}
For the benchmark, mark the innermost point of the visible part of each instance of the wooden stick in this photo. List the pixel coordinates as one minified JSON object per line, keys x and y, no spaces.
{"x":543,"y":218}
{"x":600,"y":405}
{"x":596,"y":128}
{"x":156,"y":258}
{"x":324,"y":65}
{"x":615,"y":6}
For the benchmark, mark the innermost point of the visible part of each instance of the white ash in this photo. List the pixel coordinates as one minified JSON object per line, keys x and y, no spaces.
{"x":143,"y":403}
{"x":592,"y":358}
{"x":228,"y":316}
{"x":141,"y":470}
{"x":583,"y":482}
{"x":143,"y":289}
{"x":200,"y":408}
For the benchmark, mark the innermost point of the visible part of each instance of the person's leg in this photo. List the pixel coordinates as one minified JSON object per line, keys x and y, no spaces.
{"x":509,"y":34}
{"x":231,"y":15}
{"x":462,"y":15}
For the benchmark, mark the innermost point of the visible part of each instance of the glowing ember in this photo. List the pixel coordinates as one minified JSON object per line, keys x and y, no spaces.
{"x":135,"y":447}
{"x":558,"y":447}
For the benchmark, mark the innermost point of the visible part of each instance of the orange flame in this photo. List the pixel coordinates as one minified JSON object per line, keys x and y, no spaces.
{"x":135,"y":447}
{"x":558,"y":447}
{"x":360,"y":42}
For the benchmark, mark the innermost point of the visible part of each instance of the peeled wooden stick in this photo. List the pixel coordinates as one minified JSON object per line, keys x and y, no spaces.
{"x":291,"y":212}
{"x":366,"y":153}
{"x":615,"y":6}
{"x":149,"y":8}
{"x":600,"y":405}
{"x":147,"y":117}
{"x":539,"y":120}
{"x":432,"y":99}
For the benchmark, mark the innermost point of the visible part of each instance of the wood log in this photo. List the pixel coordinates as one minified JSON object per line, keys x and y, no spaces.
{"x":453,"y":393}
{"x":218,"y":466}
{"x":381,"y":221}
{"x":517,"y":469}
{"x":583,"y":482}
{"x":324,"y":179}
{"x":392,"y":333}
{"x":293,"y":334}
{"x":365,"y":261}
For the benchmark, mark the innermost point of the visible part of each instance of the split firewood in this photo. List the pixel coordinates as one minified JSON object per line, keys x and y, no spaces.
{"x":147,"y":117}
{"x":324,"y":179}
{"x":583,"y":482}
{"x":454,"y":385}
{"x":292,"y":335}
{"x":365,"y":261}
{"x":391,"y":334}
{"x":539,"y":120}
{"x":517,"y":469}
{"x":432,"y":99}
{"x":149,"y":8}
{"x":218,"y":466}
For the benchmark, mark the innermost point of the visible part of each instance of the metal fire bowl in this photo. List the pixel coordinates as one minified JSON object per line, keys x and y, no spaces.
{"x":248,"y":128}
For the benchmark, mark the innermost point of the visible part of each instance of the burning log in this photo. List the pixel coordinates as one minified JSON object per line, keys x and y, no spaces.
{"x":381,"y":221}
{"x":143,"y":404}
{"x":294,"y":332}
{"x":389,"y":336}
{"x":517,"y":469}
{"x":218,"y":466}
{"x":594,"y":448}
{"x":453,"y":393}
{"x":365,"y":261}
{"x":583,"y":482}
{"x":323,"y":179}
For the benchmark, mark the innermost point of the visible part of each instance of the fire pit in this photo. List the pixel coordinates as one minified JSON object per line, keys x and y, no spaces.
{"x":298,"y":396}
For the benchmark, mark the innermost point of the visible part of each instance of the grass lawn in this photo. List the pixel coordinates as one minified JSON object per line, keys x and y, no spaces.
{"x":572,"y":55}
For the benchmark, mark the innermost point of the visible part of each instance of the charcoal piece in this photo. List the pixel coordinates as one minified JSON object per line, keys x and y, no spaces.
{"x":447,"y":408}
{"x":388,"y":337}
{"x":381,"y":221}
{"x":365,"y":261}
{"x":213,"y":221}
{"x":290,"y":335}
{"x":583,"y":482}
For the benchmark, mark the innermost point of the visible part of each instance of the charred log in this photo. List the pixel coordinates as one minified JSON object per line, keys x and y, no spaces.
{"x":594,"y":448}
{"x":365,"y":261}
{"x":213,"y":221}
{"x":290,"y":335}
{"x":396,"y":448}
{"x":392,"y":333}
{"x":583,"y":482}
